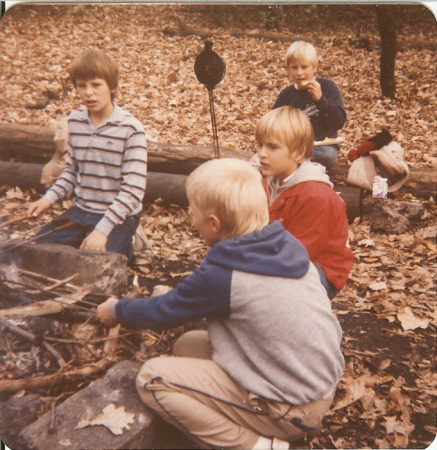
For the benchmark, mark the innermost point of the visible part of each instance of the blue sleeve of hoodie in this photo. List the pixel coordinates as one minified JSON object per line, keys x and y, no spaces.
{"x":205,"y":293}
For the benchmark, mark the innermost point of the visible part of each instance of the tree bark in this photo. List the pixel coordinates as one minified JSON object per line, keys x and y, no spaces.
{"x":34,"y":144}
{"x":169,"y":187}
{"x":387,"y":31}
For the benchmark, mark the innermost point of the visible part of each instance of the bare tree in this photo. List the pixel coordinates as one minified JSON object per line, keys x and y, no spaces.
{"x":387,"y":30}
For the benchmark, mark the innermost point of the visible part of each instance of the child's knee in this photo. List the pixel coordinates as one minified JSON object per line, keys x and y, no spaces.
{"x":325,"y":155}
{"x":193,"y":344}
{"x":159,"y":372}
{"x":147,"y":376}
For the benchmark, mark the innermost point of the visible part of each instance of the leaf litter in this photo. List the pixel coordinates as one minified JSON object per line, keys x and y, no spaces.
{"x":387,"y":396}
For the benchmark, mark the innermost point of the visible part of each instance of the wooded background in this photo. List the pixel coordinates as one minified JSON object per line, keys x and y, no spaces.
{"x":156,"y":45}
{"x":386,"y":398}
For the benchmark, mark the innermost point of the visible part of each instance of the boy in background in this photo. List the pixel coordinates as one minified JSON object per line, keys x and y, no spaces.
{"x":319,"y":98}
{"x":106,"y":165}
{"x":266,"y":369}
{"x":300,"y":194}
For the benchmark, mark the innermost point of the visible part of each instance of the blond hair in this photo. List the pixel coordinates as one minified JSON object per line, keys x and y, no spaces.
{"x":291,"y":127}
{"x":301,"y":51}
{"x":231,"y":189}
{"x":94,"y":63}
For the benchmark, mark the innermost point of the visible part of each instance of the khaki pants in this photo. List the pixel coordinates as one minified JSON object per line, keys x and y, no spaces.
{"x":193,"y":393}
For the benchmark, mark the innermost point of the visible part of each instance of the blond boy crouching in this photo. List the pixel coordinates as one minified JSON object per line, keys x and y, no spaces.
{"x":265,"y":371}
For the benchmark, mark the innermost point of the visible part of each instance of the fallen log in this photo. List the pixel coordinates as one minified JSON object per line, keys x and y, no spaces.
{"x":35,"y":144}
{"x":181,"y":29}
{"x":168,"y":187}
{"x":422,"y":181}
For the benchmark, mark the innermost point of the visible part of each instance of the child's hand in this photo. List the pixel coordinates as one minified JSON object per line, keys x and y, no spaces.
{"x":96,"y":240}
{"x":103,"y":315}
{"x":36,"y":208}
{"x":314,"y":89}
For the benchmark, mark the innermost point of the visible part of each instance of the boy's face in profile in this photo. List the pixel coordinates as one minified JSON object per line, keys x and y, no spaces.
{"x":95,"y":94}
{"x":208,"y":227}
{"x":275,"y":159}
{"x":301,"y":72}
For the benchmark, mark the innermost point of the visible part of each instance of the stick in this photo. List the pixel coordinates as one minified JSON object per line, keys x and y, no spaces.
{"x":34,"y":339}
{"x":52,"y":425}
{"x":28,"y":286}
{"x":12,"y":221}
{"x":61,"y":283}
{"x":18,"y":331}
{"x":42,"y":277}
{"x":42,"y":308}
{"x":59,"y":228}
{"x":55,"y":354}
{"x":111,"y":344}
{"x":30,"y":384}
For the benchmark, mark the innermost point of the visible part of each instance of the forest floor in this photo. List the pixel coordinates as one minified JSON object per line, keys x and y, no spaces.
{"x":386,"y":398}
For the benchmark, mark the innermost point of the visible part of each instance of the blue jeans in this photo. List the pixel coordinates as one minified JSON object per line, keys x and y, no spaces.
{"x":330,"y":289}
{"x":119,"y":240}
{"x":326,"y":155}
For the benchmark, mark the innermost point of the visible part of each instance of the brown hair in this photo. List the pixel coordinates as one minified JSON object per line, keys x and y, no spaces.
{"x":94,"y":63}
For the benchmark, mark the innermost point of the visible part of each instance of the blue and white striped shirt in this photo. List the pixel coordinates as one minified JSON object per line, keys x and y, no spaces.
{"x":106,"y":167}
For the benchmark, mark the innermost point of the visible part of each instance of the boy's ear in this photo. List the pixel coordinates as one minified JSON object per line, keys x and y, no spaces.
{"x":215,"y":223}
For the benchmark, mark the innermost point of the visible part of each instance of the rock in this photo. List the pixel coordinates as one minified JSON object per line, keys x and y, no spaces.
{"x":115,"y":396}
{"x":391,"y":216}
{"x":15,"y":415}
{"x":107,"y":272}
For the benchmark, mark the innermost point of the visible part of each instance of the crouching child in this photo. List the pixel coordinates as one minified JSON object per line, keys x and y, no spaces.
{"x":265,"y":371}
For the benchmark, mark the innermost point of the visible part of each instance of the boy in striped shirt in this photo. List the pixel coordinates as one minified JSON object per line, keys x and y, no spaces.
{"x":106,"y":165}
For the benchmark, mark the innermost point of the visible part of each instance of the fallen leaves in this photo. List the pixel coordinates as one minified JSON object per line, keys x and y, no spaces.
{"x":158,"y":84}
{"x":388,"y":390}
{"x":410,"y":322}
{"x":115,"y":419}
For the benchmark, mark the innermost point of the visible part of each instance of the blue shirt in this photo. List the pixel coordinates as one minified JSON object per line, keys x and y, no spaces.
{"x":326,"y":116}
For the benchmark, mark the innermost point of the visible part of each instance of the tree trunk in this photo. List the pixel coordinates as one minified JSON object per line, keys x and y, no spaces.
{"x":387,"y":31}
{"x":34,"y":144}
{"x":169,"y":187}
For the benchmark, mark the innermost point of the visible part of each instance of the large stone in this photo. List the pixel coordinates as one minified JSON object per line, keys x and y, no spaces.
{"x":391,"y":216}
{"x":15,"y":415}
{"x":117,"y":395}
{"x":107,"y":272}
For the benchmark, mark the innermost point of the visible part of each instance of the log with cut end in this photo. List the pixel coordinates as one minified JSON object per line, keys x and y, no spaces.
{"x":35,"y":144}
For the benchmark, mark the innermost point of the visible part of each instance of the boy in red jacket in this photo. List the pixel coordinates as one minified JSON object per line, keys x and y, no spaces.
{"x":300,"y":194}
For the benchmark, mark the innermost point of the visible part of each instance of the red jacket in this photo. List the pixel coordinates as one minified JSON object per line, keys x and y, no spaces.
{"x":316,"y":215}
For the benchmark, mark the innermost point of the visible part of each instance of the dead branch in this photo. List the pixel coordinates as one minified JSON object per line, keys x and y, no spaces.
{"x":30,"y":384}
{"x":41,"y":277}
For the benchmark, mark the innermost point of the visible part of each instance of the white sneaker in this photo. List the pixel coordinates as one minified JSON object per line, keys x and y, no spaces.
{"x":278,"y":444}
{"x":139,"y":240}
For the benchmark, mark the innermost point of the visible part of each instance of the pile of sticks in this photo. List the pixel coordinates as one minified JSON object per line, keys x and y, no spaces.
{"x":55,"y":339}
